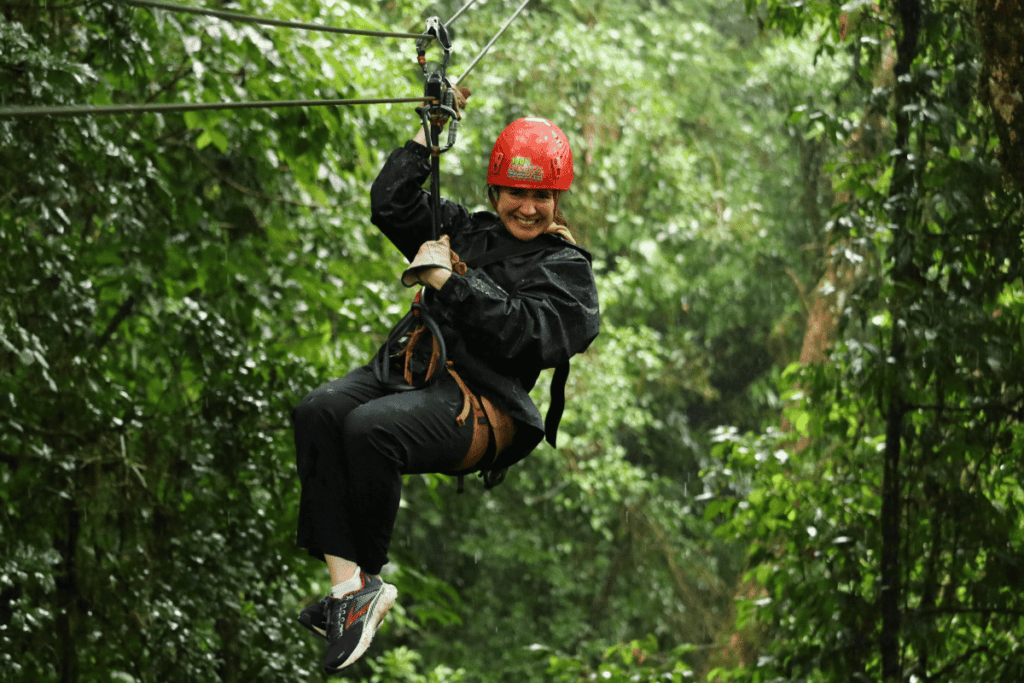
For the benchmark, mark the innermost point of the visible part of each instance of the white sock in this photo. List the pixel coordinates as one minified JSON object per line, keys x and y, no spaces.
{"x":348,"y":586}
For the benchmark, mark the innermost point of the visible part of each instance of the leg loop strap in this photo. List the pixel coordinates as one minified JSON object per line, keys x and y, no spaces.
{"x":410,"y":346}
{"x":481,"y":426}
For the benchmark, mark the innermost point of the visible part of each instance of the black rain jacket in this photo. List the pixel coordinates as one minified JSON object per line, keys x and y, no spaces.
{"x":503,"y":323}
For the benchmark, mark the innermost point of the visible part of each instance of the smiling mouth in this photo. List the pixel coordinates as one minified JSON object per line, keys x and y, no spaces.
{"x":524,"y":221}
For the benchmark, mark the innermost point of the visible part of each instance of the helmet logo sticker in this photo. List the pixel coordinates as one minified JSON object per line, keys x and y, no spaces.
{"x":523,"y":168}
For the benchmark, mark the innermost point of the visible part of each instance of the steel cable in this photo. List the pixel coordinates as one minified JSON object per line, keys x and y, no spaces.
{"x":112,"y":109}
{"x":459,"y":13}
{"x":492,"y":41}
{"x":249,"y":19}
{"x":106,"y":109}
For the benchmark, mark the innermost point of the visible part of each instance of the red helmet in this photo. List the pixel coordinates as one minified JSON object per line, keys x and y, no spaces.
{"x":531,"y":153}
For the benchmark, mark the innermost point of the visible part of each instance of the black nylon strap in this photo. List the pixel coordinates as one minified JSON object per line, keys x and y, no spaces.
{"x":557,"y":406}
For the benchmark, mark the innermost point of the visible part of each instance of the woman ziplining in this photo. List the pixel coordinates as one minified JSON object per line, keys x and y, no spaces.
{"x":449,"y":391}
{"x":505,"y":295}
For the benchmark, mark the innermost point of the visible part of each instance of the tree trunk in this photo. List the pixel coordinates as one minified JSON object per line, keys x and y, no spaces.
{"x":889,"y":642}
{"x":822,"y":323}
{"x":902,"y":193}
{"x":67,"y":597}
{"x":1001,"y":25}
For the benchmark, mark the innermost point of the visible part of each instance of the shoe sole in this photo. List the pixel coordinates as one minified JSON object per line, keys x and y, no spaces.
{"x":312,"y":629}
{"x":383,"y":603}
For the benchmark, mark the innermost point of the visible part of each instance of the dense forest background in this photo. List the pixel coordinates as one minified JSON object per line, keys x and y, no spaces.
{"x":793,"y":454}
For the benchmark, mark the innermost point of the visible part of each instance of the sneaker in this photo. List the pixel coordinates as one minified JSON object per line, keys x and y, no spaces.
{"x":314,"y":617}
{"x":352,"y":621}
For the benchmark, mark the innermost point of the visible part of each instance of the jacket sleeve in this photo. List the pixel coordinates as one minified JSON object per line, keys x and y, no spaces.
{"x":550,"y":315}
{"x":400,"y":206}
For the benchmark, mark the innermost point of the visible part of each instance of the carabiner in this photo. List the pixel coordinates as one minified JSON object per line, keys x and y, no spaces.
{"x":436,"y":115}
{"x":437,"y":88}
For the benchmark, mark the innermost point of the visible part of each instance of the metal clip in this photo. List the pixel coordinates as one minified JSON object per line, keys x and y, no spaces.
{"x":437,"y":88}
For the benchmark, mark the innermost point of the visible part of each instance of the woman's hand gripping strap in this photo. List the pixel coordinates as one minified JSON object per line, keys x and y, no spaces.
{"x":432,"y":254}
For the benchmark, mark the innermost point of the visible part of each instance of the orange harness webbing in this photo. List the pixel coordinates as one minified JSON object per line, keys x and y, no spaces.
{"x":487,"y":418}
{"x":478,"y":445}
{"x":435,"y":354}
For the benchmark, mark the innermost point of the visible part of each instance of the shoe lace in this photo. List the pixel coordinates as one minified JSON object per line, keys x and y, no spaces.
{"x":339,"y":615}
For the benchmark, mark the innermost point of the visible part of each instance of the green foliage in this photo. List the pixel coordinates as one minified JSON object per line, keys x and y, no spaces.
{"x":173,"y":284}
{"x":400,"y":665}
{"x":625,"y":663}
{"x":883,"y":527}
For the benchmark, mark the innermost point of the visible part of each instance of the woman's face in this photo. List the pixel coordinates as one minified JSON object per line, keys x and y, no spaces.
{"x":526,"y":213}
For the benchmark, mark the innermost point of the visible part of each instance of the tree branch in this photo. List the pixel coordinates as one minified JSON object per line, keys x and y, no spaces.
{"x":252,"y":193}
{"x":1000,"y":407}
{"x":941,"y":674}
{"x":969,"y":610}
{"x":122,"y":312}
{"x":179,"y":74}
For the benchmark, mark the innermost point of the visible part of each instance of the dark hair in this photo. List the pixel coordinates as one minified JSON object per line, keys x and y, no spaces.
{"x":494,"y":191}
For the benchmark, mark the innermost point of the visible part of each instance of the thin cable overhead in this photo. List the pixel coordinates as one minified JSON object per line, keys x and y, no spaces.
{"x":459,"y":13}
{"x":100,"y":110}
{"x":488,"y":46}
{"x":249,"y":19}
{"x":106,"y":109}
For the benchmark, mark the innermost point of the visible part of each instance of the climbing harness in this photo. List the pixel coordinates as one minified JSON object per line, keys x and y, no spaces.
{"x":493,"y":428}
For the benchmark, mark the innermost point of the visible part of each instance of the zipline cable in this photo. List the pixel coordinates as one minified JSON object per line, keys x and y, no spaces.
{"x":110,"y":109}
{"x":488,"y":46}
{"x":248,"y":19}
{"x":459,"y":13}
{"x":104,"y":109}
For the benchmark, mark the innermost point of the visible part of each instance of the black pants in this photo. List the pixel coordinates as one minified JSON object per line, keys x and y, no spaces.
{"x":354,"y":439}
